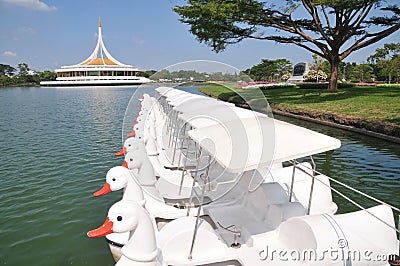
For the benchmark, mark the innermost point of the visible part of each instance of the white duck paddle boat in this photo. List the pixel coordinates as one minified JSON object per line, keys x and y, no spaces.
{"x":117,"y":178}
{"x":128,"y":216}
{"x":191,"y":241}
{"x":120,"y":177}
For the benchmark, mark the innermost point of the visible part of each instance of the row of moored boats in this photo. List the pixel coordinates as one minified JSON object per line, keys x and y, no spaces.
{"x":208,"y":183}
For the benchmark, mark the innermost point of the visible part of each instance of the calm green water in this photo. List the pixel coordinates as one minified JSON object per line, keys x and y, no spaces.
{"x":57,"y":144}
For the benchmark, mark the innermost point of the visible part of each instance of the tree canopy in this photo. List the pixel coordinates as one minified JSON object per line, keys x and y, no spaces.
{"x":269,"y":70}
{"x":7,"y":70}
{"x":387,"y":60}
{"x":25,"y":75}
{"x":332,"y":29}
{"x":192,"y":75}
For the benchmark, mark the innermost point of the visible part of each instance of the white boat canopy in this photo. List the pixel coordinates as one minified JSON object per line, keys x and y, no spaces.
{"x":173,"y":92}
{"x":181,"y":98}
{"x":219,"y":114}
{"x":199,"y":103}
{"x":169,"y":92}
{"x":162,"y":90}
{"x":250,"y":143}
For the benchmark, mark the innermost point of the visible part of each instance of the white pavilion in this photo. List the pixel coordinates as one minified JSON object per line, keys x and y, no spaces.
{"x":99,"y":69}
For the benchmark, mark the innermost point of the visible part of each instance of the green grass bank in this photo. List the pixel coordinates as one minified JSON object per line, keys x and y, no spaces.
{"x":367,"y":108}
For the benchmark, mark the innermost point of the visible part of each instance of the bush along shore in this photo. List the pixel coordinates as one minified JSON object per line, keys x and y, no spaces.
{"x":370,"y":110}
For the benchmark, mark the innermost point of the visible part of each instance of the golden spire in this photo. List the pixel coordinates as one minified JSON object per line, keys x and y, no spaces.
{"x":99,"y":24}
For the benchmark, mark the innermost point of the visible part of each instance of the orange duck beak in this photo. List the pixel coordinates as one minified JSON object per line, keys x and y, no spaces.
{"x":132,"y":134}
{"x":121,"y":152}
{"x":106,"y":189}
{"x":103,"y":230}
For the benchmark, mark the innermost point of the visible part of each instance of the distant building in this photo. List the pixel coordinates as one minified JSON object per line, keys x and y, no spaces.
{"x":99,"y":69}
{"x":299,"y":71}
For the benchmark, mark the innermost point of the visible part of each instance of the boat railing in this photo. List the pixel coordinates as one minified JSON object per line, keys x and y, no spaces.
{"x":235,"y":231}
{"x":201,"y":200}
{"x":303,"y":168}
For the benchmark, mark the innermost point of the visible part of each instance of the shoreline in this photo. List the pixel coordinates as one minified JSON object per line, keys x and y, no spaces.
{"x":340,"y":126}
{"x":357,"y":125}
{"x":19,"y":85}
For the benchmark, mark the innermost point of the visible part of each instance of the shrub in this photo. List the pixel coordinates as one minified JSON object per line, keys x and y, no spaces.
{"x":312,"y":85}
{"x":365,"y":84}
{"x":314,"y":75}
{"x":322,"y":86}
{"x":283,"y":86}
{"x":344,"y":85}
{"x":286,"y":76}
{"x":395,"y":85}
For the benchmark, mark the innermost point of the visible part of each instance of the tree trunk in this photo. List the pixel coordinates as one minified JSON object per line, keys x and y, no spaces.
{"x":333,"y":81}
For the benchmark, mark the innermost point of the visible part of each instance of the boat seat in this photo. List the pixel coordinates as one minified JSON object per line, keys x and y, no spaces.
{"x":254,"y":233}
{"x":260,"y":212}
{"x":278,"y":213}
{"x":229,"y":188}
{"x":254,"y":203}
{"x":252,"y":209}
{"x":274,"y":193}
{"x":259,"y":200}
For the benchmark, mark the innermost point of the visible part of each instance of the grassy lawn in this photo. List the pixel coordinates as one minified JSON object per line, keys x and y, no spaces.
{"x":372,"y":103}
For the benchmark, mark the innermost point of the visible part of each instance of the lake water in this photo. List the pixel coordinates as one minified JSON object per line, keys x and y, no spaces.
{"x":57,"y":144}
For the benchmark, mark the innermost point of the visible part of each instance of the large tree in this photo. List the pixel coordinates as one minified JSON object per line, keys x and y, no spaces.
{"x":332,"y":29}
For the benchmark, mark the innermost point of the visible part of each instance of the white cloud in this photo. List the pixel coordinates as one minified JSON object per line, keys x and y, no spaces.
{"x":31,"y":4}
{"x":9,"y":54}
{"x":138,"y":42}
{"x":26,"y":30}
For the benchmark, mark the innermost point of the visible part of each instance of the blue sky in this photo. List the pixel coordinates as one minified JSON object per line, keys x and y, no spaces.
{"x":47,"y":34}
